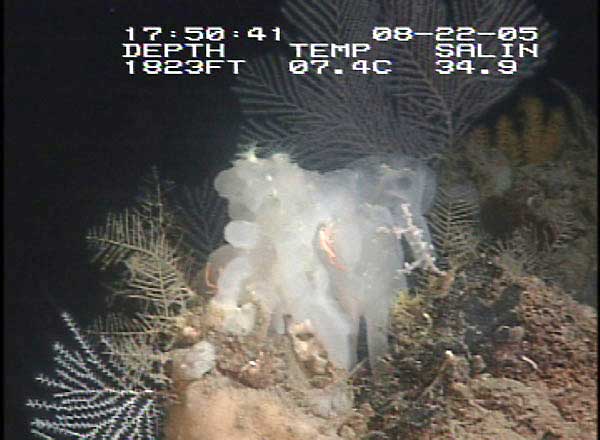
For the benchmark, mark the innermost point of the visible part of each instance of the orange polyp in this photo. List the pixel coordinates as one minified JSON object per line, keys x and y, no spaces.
{"x":326,"y":243}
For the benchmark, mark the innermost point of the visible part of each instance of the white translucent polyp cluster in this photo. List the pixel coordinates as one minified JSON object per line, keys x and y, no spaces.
{"x":319,"y":246}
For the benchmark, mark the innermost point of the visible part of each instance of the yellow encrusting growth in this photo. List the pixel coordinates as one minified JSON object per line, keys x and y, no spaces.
{"x":507,"y":138}
{"x":533,"y":134}
{"x":542,"y":136}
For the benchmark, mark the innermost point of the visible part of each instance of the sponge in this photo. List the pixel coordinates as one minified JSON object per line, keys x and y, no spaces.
{"x":321,"y":247}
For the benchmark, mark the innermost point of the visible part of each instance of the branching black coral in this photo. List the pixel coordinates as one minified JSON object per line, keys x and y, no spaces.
{"x":134,"y":343}
{"x":201,"y":216}
{"x":453,"y":222}
{"x":140,"y":240}
{"x":326,"y":120}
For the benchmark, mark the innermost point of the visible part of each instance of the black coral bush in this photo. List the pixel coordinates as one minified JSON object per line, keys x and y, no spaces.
{"x":326,"y":120}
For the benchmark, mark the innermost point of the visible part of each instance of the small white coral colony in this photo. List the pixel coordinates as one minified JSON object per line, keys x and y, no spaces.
{"x":320,"y":247}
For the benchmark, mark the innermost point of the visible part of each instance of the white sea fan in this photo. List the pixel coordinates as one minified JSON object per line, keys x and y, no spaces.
{"x":93,"y":398}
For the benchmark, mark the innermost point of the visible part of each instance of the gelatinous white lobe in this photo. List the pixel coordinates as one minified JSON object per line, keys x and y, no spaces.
{"x":320,"y":246}
{"x":242,"y":234}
